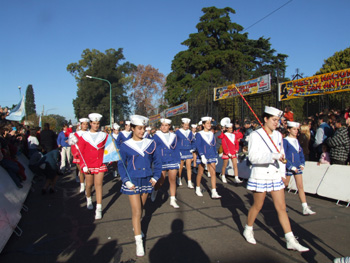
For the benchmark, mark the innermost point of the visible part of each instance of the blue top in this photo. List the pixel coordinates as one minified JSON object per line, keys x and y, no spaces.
{"x":168,"y":150}
{"x":185,"y":143}
{"x":138,"y":158}
{"x":122,"y":137}
{"x":294,"y":157}
{"x":61,"y":140}
{"x":205,"y":144}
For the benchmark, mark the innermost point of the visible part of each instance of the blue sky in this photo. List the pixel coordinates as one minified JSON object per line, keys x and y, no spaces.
{"x":39,"y":38}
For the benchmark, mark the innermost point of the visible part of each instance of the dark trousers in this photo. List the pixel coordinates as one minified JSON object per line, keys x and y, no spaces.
{"x":338,"y":162}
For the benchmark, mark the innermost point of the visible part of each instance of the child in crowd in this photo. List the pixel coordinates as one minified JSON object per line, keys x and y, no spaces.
{"x":324,"y":158}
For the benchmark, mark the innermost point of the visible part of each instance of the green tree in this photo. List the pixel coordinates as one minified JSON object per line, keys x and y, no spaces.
{"x":30,"y":106}
{"x":340,"y":60}
{"x":93,"y":95}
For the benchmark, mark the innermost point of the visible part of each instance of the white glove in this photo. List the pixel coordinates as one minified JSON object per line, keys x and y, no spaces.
{"x":129,"y":184}
{"x":204,"y":160}
{"x":154,"y":180}
{"x":43,"y":166}
{"x":72,"y":139}
{"x":191,"y":151}
{"x":276,"y":156}
{"x":294,"y":169}
{"x":216,"y":161}
{"x":85,"y":169}
{"x":229,"y":155}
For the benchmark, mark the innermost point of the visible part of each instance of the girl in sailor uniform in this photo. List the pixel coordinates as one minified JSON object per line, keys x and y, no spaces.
{"x":185,"y":144}
{"x":148,"y":133}
{"x":205,"y":145}
{"x":230,"y":146}
{"x":295,"y":163}
{"x":194,"y":153}
{"x":266,"y":176}
{"x":84,"y":126}
{"x":135,"y":168}
{"x":115,"y":136}
{"x":170,"y":156}
{"x":124,"y":135}
{"x":91,"y":145}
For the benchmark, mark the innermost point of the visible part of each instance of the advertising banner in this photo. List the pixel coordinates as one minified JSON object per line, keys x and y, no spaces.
{"x":176,"y":110}
{"x":336,"y":81}
{"x":154,"y":119}
{"x":249,"y":87}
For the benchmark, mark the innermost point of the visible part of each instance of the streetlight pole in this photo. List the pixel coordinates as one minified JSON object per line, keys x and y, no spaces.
{"x":20,"y":94}
{"x":110,"y":97}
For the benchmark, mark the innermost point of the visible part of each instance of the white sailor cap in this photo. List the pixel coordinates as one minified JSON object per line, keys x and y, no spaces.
{"x":127,"y":122}
{"x":229,"y":125}
{"x":186,"y":120}
{"x":194,"y":125}
{"x":293,"y":124}
{"x":138,"y":120}
{"x":273,"y":111}
{"x":200,"y":123}
{"x":84,"y":120}
{"x":206,"y":118}
{"x":148,"y":128}
{"x":162,"y":120}
{"x":116,"y":126}
{"x":95,"y":116}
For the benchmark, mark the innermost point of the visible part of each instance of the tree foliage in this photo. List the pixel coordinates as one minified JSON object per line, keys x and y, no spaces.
{"x":92,"y":94}
{"x":30,"y":106}
{"x":148,"y":87}
{"x":340,"y":60}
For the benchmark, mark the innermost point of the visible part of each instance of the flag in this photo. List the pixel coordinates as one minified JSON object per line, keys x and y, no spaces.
{"x":110,"y":153}
{"x":18,"y":112}
{"x":40,"y":124}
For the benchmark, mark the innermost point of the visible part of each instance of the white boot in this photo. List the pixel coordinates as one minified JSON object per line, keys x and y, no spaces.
{"x":179,"y":182}
{"x":209,"y":174}
{"x":306,"y":210}
{"x":189,"y":184}
{"x":237,"y":181}
{"x":173,"y":202}
{"x":140,"y":252}
{"x":214,"y":194}
{"x":198,"y":191}
{"x":115,"y":173}
{"x":89,"y":203}
{"x":293,"y":244}
{"x":154,"y":195}
{"x":249,"y":234}
{"x":98,"y":212}
{"x":223,"y":178}
{"x":82,"y":187}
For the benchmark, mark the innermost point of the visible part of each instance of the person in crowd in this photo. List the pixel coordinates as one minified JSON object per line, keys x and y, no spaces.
{"x":288,"y":114}
{"x":266,"y":176}
{"x":247,"y":130}
{"x":138,"y":157}
{"x":325,"y":157}
{"x":115,"y":136}
{"x":62,"y":142}
{"x":48,"y":140}
{"x":170,"y":157}
{"x":295,"y":163}
{"x":91,"y":145}
{"x":323,"y":132}
{"x":33,"y":142}
{"x":339,"y":144}
{"x":304,"y":140}
{"x":206,"y":147}
{"x":238,"y":132}
{"x":124,"y":135}
{"x":194,"y":152}
{"x":148,"y":133}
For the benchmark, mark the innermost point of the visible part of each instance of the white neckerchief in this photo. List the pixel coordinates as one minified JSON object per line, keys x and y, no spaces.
{"x":126,"y":133}
{"x":275,"y":136}
{"x":207,"y":136}
{"x":172,"y":137}
{"x":294,"y":142}
{"x":115,"y":136}
{"x":131,"y":143}
{"x":80,"y":133}
{"x":231,"y":137}
{"x":186,"y":133}
{"x":100,"y":137}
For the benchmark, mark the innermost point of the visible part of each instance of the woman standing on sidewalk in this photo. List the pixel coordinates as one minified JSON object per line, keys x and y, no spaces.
{"x":266,"y":176}
{"x":135,"y":168}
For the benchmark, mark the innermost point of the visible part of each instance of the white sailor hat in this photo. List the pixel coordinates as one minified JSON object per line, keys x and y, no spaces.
{"x":148,"y":128}
{"x":162,"y":120}
{"x":228,"y":125}
{"x":138,"y":120}
{"x":84,"y":120}
{"x":127,"y":122}
{"x":206,"y":118}
{"x":95,"y":116}
{"x":273,"y":111}
{"x":293,"y":124}
{"x":116,"y":126}
{"x":186,"y":120}
{"x":200,"y":123}
{"x":194,"y":125}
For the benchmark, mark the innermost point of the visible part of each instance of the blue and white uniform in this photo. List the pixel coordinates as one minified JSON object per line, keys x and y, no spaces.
{"x":185,"y":143}
{"x":206,"y":145}
{"x":170,"y":154}
{"x":122,"y":137}
{"x":139,"y":158}
{"x":294,"y":155}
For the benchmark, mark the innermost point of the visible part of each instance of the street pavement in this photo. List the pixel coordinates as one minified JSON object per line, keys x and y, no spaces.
{"x":59,"y":228}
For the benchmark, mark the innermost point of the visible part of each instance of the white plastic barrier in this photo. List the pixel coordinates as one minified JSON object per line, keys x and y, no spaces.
{"x":335,"y":183}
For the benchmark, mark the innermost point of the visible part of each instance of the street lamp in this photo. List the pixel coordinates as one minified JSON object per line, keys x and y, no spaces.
{"x":110,"y":97}
{"x":19,"y":88}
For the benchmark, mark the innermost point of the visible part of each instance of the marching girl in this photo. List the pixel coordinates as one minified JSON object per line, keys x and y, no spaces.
{"x":135,"y":167}
{"x":91,"y":145}
{"x":170,"y":157}
{"x":148,"y":133}
{"x":295,"y":163}
{"x":205,"y":144}
{"x":266,"y":176}
{"x":124,"y":135}
{"x":115,"y":136}
{"x":194,"y":154}
{"x":185,"y":145}
{"x":84,"y":126}
{"x":230,"y":146}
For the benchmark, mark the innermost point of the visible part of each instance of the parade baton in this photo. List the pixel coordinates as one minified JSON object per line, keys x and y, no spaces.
{"x":257,"y":118}
{"x":74,"y":141}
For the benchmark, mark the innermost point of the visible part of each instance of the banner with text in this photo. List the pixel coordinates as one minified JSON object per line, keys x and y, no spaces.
{"x":176,"y":110}
{"x":154,"y":119}
{"x":249,"y":87}
{"x":336,"y":81}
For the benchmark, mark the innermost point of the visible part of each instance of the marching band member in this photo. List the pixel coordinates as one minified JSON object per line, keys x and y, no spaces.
{"x":135,"y":167}
{"x":170,"y":157}
{"x":91,"y":145}
{"x":230,"y":146}
{"x":295,"y":163}
{"x":148,"y":133}
{"x":185,"y":146}
{"x":124,"y":135}
{"x":115,"y":136}
{"x":194,"y":154}
{"x":205,"y":144}
{"x":266,"y":176}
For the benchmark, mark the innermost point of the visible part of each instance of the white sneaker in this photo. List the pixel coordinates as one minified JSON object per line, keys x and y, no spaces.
{"x":115,"y":174}
{"x":249,"y":236}
{"x":199,"y":191}
{"x":190,"y":185}
{"x":223,"y":178}
{"x":173,"y":203}
{"x":89,"y":204}
{"x":293,"y":244}
{"x":214,"y":194}
{"x":82,"y":188}
{"x":307,"y":211}
{"x":237,"y":181}
{"x":209,"y":174}
{"x":140,"y":252}
{"x":154,"y":195}
{"x":98,"y":214}
{"x":179,"y":182}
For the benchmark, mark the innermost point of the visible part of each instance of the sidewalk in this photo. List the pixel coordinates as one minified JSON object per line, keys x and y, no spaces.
{"x":59,"y":228}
